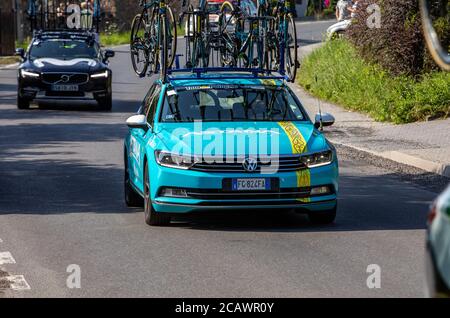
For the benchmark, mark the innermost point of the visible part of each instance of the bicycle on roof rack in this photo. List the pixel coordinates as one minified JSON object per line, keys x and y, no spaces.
{"x":201,"y":36}
{"x":285,"y":48}
{"x":243,"y":37}
{"x":268,"y":40}
{"x":153,"y":40}
{"x":62,"y":15}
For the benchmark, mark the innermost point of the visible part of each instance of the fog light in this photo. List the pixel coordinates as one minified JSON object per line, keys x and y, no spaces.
{"x":320,"y":190}
{"x":174,"y":193}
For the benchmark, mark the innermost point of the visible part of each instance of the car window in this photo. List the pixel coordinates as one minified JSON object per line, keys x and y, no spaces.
{"x":143,"y":110}
{"x":153,"y":104}
{"x":63,"y":49}
{"x":259,"y":103}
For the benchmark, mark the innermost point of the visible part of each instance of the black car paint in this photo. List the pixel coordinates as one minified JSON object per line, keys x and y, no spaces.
{"x":100,"y":88}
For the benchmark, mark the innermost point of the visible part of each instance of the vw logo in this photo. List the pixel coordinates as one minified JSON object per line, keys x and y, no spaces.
{"x":250,"y":164}
{"x":65,"y":78}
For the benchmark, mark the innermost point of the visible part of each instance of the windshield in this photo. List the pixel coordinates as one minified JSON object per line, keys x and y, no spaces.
{"x":63,"y":49}
{"x":212,"y":104}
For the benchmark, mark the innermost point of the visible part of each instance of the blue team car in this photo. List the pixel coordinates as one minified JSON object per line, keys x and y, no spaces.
{"x":207,"y":141}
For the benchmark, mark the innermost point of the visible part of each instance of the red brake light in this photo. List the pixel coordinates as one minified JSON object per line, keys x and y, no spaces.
{"x":432,"y":214}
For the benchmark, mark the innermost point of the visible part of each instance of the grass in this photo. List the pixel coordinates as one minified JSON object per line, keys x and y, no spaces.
{"x":344,"y":78}
{"x":118,"y":38}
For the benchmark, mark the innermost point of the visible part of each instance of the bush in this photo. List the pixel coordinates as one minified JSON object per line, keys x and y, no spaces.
{"x":347,"y":79}
{"x":398,"y":46}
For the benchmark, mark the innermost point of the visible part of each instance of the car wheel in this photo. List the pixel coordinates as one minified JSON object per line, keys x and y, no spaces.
{"x":132,"y":198}
{"x":22,"y":103}
{"x":105,"y":103}
{"x":152,"y":217}
{"x":323,"y":217}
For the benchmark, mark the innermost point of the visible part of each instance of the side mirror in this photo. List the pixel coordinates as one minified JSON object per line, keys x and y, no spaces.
{"x":109,"y":54}
{"x":20,"y":52}
{"x":137,"y":122}
{"x":324,"y":120}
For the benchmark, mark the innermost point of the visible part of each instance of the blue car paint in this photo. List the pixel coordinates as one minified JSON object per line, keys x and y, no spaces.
{"x":140,"y":149}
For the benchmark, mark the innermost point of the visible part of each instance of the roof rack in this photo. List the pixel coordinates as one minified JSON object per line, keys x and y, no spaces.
{"x":72,"y":34}
{"x":231,"y":73}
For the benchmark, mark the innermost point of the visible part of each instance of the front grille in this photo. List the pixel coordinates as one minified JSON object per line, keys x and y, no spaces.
{"x":276,"y":164}
{"x":282,"y":193}
{"x":64,"y":94}
{"x":65,"y":78}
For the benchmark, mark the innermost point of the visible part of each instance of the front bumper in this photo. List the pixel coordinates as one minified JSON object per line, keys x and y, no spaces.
{"x":162,"y":177}
{"x":435,"y":285}
{"x":36,"y":89}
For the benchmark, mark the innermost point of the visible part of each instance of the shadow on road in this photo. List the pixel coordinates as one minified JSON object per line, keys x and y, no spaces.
{"x":57,"y":186}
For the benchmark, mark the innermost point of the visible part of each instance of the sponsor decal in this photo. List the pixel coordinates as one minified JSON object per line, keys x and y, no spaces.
{"x":299,"y":146}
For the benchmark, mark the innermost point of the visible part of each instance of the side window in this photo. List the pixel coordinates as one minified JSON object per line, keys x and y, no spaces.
{"x":153,"y":104}
{"x":145,"y":104}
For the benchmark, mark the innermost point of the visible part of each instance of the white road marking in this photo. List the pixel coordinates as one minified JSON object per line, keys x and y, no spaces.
{"x":17,"y":282}
{"x":6,"y":258}
{"x":1,"y":241}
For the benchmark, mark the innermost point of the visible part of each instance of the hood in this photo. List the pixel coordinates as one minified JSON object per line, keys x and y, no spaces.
{"x":82,"y":65}
{"x":241,"y":138}
{"x":341,"y":25}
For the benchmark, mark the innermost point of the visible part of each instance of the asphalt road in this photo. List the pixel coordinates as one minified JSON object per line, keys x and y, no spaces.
{"x":61,"y":203}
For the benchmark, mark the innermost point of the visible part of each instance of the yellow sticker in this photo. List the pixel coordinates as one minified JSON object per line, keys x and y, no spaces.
{"x":268,"y":82}
{"x":299,"y":146}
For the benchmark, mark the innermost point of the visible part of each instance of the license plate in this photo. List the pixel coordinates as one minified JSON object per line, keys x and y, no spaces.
{"x":250,"y":184}
{"x":65,"y":88}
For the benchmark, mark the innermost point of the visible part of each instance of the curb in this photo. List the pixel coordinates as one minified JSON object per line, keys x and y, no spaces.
{"x":402,"y":158}
{"x":9,"y":66}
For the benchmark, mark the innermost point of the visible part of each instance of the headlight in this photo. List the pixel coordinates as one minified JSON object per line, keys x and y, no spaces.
{"x":176,"y":161}
{"x":104,"y":74}
{"x":24,"y":74}
{"x":317,"y":159}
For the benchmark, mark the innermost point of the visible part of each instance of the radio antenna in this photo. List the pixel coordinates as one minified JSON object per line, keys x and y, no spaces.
{"x":320,"y":108}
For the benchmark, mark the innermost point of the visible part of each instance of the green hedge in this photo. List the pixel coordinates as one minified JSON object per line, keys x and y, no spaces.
{"x":343,"y":77}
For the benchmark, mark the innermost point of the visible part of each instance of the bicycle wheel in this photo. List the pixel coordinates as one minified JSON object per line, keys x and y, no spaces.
{"x":228,"y":45}
{"x":172,"y":37}
{"x":291,"y":48}
{"x":138,"y":50}
{"x":189,"y":36}
{"x":164,"y":46}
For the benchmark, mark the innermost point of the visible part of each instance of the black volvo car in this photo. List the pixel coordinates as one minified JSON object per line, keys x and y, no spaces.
{"x":64,"y":65}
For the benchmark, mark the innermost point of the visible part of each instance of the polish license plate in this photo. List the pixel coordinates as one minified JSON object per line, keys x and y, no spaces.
{"x":65,"y":88}
{"x":250,"y":184}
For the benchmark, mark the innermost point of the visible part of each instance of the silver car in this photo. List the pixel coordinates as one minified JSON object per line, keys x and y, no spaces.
{"x":438,"y":247}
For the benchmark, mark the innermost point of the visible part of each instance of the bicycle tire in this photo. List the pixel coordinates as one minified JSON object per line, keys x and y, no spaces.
{"x":291,"y":50}
{"x":164,"y":50}
{"x":137,"y":22}
{"x":228,"y":57}
{"x":172,"y":30}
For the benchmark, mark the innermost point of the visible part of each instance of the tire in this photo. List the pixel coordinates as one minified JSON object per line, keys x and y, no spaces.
{"x":105,"y":103}
{"x":152,"y":217}
{"x":228,"y":55}
{"x":291,"y":52}
{"x":164,"y":51}
{"x":172,"y":37}
{"x":22,"y":103}
{"x":132,"y":198}
{"x":323,"y":217}
{"x":135,"y":53}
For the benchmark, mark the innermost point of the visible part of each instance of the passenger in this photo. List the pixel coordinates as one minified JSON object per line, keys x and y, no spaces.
{"x":343,"y":10}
